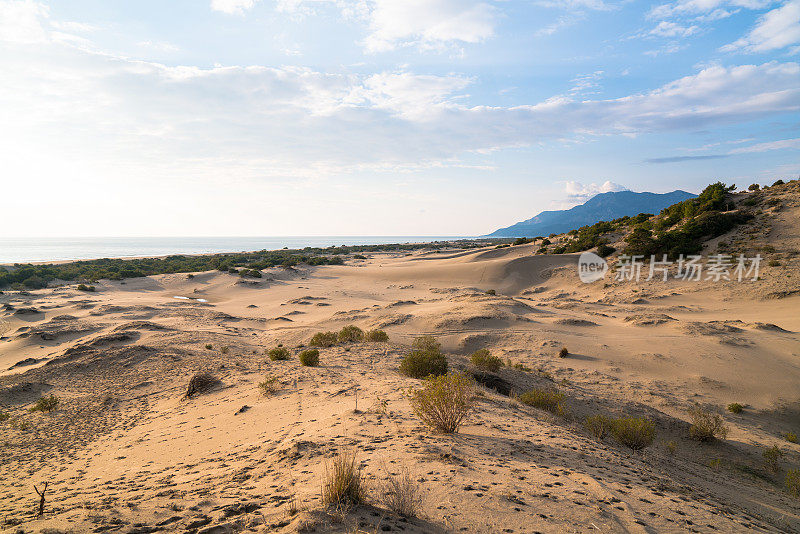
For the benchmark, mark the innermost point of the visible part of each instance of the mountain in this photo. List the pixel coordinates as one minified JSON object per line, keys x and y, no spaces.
{"x":602,"y":207}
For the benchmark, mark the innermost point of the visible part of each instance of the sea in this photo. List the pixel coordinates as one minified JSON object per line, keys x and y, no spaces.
{"x":46,"y":249}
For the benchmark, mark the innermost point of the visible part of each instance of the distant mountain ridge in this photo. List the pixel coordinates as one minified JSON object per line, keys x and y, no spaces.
{"x":602,"y":207}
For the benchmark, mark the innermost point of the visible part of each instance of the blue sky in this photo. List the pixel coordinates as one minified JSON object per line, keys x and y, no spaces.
{"x":381,"y":117}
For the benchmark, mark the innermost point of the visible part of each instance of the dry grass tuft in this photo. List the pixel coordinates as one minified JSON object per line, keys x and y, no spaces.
{"x":793,"y":482}
{"x":634,"y":432}
{"x":544,"y":399}
{"x":598,"y":425}
{"x":270,"y":386}
{"x":344,"y":484}
{"x":401,"y":495}
{"x":444,"y":402}
{"x":707,"y":426}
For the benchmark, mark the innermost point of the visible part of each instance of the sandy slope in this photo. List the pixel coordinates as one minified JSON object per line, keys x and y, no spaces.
{"x":124,"y":453}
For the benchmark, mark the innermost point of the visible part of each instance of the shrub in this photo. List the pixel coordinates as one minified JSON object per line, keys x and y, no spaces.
{"x":444,"y":402}
{"x":563,"y":353}
{"x":344,"y":484}
{"x":791,"y":437}
{"x":376,"y":336}
{"x":420,"y":364}
{"x":209,"y":346}
{"x":778,"y":182}
{"x":270,"y":386}
{"x":278,"y":354}
{"x":350,"y":333}
{"x":491,"y":292}
{"x":483,"y":359}
{"x":634,"y":432}
{"x":604,"y":250}
{"x":793,"y":482}
{"x":735,"y":407}
{"x":200,"y":383}
{"x":706,"y":425}
{"x":84,"y":287}
{"x":772,"y":456}
{"x":400,"y":494}
{"x":323,"y":339}
{"x":426,"y":344}
{"x":224,"y":349}
{"x":544,"y":399}
{"x":45,"y":404}
{"x":598,"y":425}
{"x":753,"y":187}
{"x":4,"y":417}
{"x":309,"y":358}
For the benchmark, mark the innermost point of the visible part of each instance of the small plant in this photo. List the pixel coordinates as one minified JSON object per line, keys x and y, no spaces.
{"x":791,"y":437}
{"x":421,"y":364}
{"x":634,"y":432}
{"x":309,"y":358}
{"x":200,"y":383}
{"x":793,"y":482}
{"x":491,"y":292}
{"x":401,"y":495}
{"x":772,"y":456}
{"x":715,"y":464}
{"x":350,"y":333}
{"x":224,"y":349}
{"x":707,"y":426}
{"x":544,"y":399}
{"x":444,"y":402}
{"x":323,"y":339}
{"x":4,"y":417}
{"x":672,"y":447}
{"x":270,"y":386}
{"x":344,"y":484}
{"x":376,"y":336}
{"x":483,"y":360}
{"x":209,"y":346}
{"x":735,"y":407}
{"x":278,"y":354}
{"x":45,"y":404}
{"x":20,"y":424}
{"x":563,"y":353}
{"x":598,"y":426}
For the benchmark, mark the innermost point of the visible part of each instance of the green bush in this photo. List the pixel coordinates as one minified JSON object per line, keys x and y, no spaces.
{"x":444,"y":402}
{"x":544,"y":399}
{"x":350,"y":333}
{"x":791,"y":437}
{"x":376,"y":336}
{"x":309,"y":358}
{"x":604,"y":250}
{"x":634,"y":432}
{"x":426,"y":344}
{"x":483,"y":360}
{"x":45,"y":404}
{"x":707,"y":426}
{"x":735,"y":407}
{"x":772,"y":456}
{"x":323,"y":339}
{"x":598,"y":425}
{"x":421,"y":364}
{"x":793,"y":482}
{"x":278,"y":354}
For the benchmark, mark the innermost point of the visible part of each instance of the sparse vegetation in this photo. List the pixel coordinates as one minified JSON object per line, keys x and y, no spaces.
{"x":270,"y":386}
{"x":278,"y":354}
{"x":444,"y":401}
{"x":344,"y":484}
{"x":598,"y":425}
{"x":706,"y":426}
{"x":793,"y":482}
{"x":772,"y":456}
{"x":309,"y":358}
{"x":323,"y":339}
{"x":735,"y":407}
{"x":350,"y":333}
{"x":483,"y":360}
{"x":45,"y":404}
{"x":636,"y":433}
{"x":376,"y":336}
{"x":224,"y":349}
{"x":200,"y":383}
{"x":563,"y":353}
{"x":791,"y":437}
{"x":544,"y":399}
{"x":401,"y":495}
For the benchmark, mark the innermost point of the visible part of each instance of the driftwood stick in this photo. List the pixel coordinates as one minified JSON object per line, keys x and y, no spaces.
{"x":41,"y":499}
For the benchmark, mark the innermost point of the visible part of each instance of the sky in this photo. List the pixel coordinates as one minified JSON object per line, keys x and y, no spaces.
{"x":380,"y":117}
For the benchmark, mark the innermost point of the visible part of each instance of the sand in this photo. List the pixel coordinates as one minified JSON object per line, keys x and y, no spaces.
{"x":124,"y":452}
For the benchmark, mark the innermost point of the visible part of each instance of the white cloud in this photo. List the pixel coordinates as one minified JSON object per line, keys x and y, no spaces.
{"x":774,"y":30}
{"x":232,"y":6}
{"x":578,"y":193}
{"x":428,"y":23}
{"x":715,"y":9}
{"x":764,"y":147}
{"x":672,"y":29}
{"x":20,"y":22}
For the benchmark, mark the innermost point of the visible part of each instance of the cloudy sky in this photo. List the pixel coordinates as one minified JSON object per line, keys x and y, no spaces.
{"x":380,"y":117}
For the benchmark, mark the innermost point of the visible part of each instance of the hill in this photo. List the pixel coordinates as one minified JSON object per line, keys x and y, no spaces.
{"x":604,"y":206}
